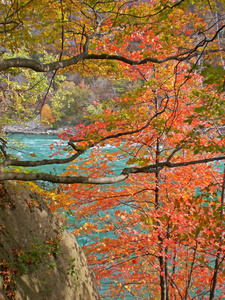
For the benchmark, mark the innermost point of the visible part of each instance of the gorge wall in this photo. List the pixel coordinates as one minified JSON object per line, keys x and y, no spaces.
{"x":39,"y":259}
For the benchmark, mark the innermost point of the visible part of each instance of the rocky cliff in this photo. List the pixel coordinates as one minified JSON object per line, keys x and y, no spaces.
{"x":32,"y":127}
{"x":39,"y":259}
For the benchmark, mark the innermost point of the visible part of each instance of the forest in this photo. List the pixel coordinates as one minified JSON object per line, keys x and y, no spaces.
{"x":145,"y":78}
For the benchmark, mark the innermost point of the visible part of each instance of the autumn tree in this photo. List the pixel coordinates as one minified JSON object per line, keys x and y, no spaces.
{"x":159,"y":235}
{"x":168,"y":219}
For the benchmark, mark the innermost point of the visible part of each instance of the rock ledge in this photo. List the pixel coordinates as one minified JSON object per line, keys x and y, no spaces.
{"x":65,"y":274}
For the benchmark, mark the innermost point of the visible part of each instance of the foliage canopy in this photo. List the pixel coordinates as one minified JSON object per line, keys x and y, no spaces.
{"x":170,"y":127}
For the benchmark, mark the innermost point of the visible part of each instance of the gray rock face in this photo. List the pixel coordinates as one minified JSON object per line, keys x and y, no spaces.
{"x":43,"y":261}
{"x":32,"y":127}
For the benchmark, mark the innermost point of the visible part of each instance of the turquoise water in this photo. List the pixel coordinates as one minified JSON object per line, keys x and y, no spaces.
{"x":39,"y":145}
{"x":25,"y":145}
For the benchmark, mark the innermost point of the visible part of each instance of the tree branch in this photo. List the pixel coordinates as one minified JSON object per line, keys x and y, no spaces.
{"x":44,"y":162}
{"x":4,"y":176}
{"x":37,"y":66}
{"x":153,"y":168}
{"x":60,"y":179}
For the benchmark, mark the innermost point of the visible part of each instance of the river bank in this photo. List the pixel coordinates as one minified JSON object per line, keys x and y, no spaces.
{"x":33,"y":127}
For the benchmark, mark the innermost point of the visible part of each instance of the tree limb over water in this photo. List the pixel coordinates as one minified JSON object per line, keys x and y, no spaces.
{"x":152,"y":168}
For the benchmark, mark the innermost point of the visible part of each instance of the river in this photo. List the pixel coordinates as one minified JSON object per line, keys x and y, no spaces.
{"x":37,"y":147}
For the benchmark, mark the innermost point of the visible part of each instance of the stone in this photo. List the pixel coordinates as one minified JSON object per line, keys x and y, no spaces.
{"x":64,"y":274}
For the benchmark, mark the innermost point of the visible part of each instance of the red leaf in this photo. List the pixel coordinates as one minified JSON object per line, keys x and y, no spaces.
{"x":134,"y":261}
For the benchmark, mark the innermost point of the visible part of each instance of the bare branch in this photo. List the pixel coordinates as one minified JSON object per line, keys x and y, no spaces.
{"x":37,"y":66}
{"x":154,"y":168}
{"x":2,"y":147}
{"x":44,"y":162}
{"x":60,"y":179}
